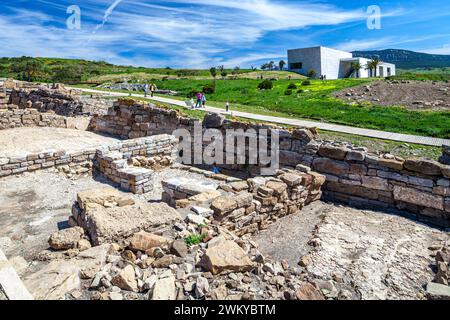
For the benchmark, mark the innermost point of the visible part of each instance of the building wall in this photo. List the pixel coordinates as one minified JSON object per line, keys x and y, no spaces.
{"x":328,"y":62}
{"x":331,"y":65}
{"x":309,"y":57}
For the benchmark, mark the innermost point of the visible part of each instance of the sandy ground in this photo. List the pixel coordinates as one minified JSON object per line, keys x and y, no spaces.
{"x":415,"y":95}
{"x":22,"y":141}
{"x":378,"y":255}
{"x":34,"y":205}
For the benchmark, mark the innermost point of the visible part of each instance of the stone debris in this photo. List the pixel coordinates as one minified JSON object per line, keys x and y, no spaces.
{"x":143,"y":241}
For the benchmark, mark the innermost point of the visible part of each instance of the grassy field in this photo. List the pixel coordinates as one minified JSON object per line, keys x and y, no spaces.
{"x":314,"y":102}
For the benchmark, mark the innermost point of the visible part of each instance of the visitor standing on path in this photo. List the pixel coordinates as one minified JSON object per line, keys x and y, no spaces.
{"x":152,"y":89}
{"x":146,"y":90}
{"x":204,"y":101}
{"x":199,"y":100}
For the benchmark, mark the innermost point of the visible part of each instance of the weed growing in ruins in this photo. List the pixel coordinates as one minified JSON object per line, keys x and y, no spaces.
{"x":195,"y":239}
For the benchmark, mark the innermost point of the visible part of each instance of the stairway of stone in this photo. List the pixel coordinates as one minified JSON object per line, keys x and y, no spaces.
{"x":115,"y":167}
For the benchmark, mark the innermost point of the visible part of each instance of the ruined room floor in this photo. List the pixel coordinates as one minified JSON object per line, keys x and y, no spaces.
{"x":24,"y":140}
{"x":378,"y":255}
{"x":34,"y":205}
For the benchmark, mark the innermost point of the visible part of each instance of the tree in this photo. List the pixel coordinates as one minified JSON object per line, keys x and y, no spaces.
{"x":213,"y":72}
{"x":271,"y":65}
{"x":30,"y":66}
{"x":236,"y":70}
{"x":223,"y":74}
{"x":70,"y":74}
{"x":375,"y":64}
{"x":356,"y":67}
{"x":372,"y":65}
{"x":281,"y":64}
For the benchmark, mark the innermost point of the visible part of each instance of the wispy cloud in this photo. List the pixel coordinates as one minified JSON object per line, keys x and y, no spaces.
{"x":108,"y":12}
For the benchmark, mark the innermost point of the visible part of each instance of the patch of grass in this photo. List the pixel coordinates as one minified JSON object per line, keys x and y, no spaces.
{"x":401,"y":149}
{"x":195,"y":239}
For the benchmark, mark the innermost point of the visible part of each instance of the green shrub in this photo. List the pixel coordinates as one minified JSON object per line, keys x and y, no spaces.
{"x":312,"y":73}
{"x":300,"y":91}
{"x":266,"y":85}
{"x":288,"y":92}
{"x":209,"y":89}
{"x":194,"y":239}
{"x":292,"y":86}
{"x":306,"y":83}
{"x":192,"y":94}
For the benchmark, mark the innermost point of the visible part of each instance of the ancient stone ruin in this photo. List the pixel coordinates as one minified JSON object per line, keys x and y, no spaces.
{"x":159,"y":229}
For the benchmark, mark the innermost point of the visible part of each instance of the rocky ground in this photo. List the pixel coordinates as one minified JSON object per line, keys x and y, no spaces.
{"x":362,"y":254}
{"x":415,"y":95}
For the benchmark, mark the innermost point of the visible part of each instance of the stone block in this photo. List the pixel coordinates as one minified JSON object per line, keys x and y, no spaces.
{"x":420,"y":198}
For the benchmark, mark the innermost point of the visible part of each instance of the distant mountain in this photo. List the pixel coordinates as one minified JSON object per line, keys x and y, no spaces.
{"x":405,"y":59}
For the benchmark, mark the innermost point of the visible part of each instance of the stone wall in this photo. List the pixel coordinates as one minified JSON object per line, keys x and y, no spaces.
{"x":116,"y":162}
{"x":421,"y":187}
{"x":258,"y":202}
{"x":78,"y":161}
{"x":245,"y":206}
{"x":13,"y":117}
{"x":58,"y":99}
{"x":83,"y":161}
{"x":128,"y":119}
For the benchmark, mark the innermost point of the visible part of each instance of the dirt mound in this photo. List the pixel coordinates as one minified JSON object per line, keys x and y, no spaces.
{"x":414,"y":95}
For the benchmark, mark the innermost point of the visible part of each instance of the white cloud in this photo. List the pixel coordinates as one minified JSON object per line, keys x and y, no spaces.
{"x":445,"y":49}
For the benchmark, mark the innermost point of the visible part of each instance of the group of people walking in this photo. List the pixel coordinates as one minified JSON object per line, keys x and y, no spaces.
{"x":201,"y":101}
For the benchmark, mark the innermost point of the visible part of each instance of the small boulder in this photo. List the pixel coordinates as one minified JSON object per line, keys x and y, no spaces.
{"x":308,"y":292}
{"x":165,"y":289}
{"x":143,"y":241}
{"x":126,"y":279}
{"x":225,"y":255}
{"x":179,"y":248}
{"x":213,"y":120}
{"x":66,"y":239}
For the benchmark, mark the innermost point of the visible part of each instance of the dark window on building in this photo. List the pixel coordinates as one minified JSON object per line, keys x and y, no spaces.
{"x":297,"y":65}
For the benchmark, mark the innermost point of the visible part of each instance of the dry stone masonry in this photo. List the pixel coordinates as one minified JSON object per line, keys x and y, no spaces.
{"x":113,"y":161}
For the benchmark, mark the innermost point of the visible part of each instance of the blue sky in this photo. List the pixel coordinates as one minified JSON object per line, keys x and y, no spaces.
{"x":204,"y":33}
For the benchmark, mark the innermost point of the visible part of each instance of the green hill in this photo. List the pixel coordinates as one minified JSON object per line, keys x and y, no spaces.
{"x":77,"y":70}
{"x":405,"y":59}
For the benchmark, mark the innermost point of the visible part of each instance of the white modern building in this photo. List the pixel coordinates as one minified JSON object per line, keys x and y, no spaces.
{"x":334,"y":64}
